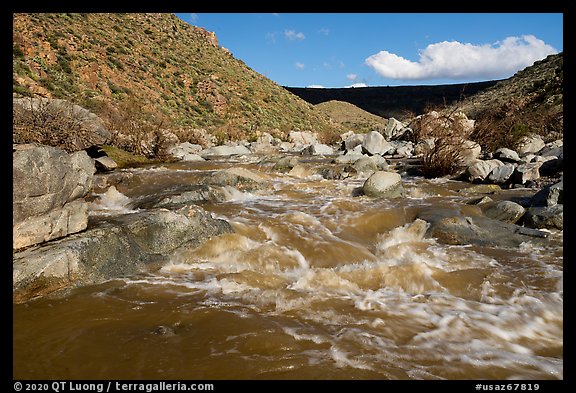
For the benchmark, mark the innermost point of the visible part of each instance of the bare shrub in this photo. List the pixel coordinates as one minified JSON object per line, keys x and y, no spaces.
{"x":47,"y":122}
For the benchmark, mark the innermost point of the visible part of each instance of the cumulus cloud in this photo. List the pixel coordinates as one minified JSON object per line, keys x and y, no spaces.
{"x":360,"y":84}
{"x":299,"y":65}
{"x":352,"y":77}
{"x":455,"y":60}
{"x":293,"y":35}
{"x":315,"y":87}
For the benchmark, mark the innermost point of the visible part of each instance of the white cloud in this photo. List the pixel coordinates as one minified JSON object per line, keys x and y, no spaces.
{"x":299,"y":65}
{"x":327,"y":65}
{"x":193,"y":18}
{"x":315,"y":87}
{"x":271,"y":37}
{"x":293,"y":36}
{"x":454,"y":60}
{"x":361,"y":84}
{"x":324,"y":31}
{"x":352,"y":77}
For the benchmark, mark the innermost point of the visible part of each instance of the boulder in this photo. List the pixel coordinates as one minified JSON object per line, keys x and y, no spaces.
{"x":480,"y":169}
{"x":66,"y":125}
{"x":552,"y":166}
{"x":365,"y":164}
{"x":286,"y":163}
{"x":119,"y":246}
{"x":240,"y":178}
{"x":506,"y":155}
{"x":317,"y":149}
{"x":105,"y":164}
{"x":45,"y":179}
{"x":550,"y":195}
{"x":480,"y":189}
{"x":402,"y":148}
{"x":545,"y":217}
{"x":501,"y":174}
{"x":374,"y":143}
{"x":526,"y":172}
{"x":225,"y":150}
{"x":384,"y":184}
{"x":353,"y":140}
{"x":469,"y":152}
{"x":349,"y":158}
{"x":184,"y":149}
{"x":394,"y":129}
{"x":303,"y":138}
{"x":449,"y":227}
{"x":555,"y":148}
{"x":530,"y":144}
{"x":423,"y":146}
{"x":506,"y":211}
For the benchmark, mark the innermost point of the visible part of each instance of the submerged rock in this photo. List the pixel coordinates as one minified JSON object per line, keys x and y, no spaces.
{"x":384,"y":184}
{"x":506,"y":211}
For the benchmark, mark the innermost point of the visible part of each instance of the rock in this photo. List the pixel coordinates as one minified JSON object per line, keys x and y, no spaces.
{"x":348,"y":158}
{"x":301,"y":171}
{"x":549,"y":196}
{"x":506,"y":211}
{"x":448,"y":227}
{"x":241,"y":178}
{"x":555,"y":148}
{"x":480,"y":201}
{"x":423,"y":146}
{"x":530,"y":144}
{"x":480,"y":169}
{"x":353,"y":140}
{"x":286,"y":146}
{"x":374,"y":143}
{"x":57,"y":223}
{"x":77,"y":127}
{"x":317,"y":149}
{"x":225,"y":150}
{"x":285,"y":164}
{"x":262,"y":148}
{"x":529,"y":157}
{"x":380,"y":162}
{"x":193,"y":194}
{"x":303,"y":138}
{"x":394,"y":129}
{"x":336,"y":172}
{"x":192,"y":158}
{"x":545,"y":217}
{"x":183,"y":149}
{"x":501,"y":174}
{"x":506,"y":155}
{"x":552,"y":166}
{"x":105,"y":164}
{"x":470,"y":152}
{"x":384,"y":184}
{"x":526,"y":172}
{"x":365,"y":164}
{"x":120,"y":246}
{"x":402,"y":148}
{"x":45,"y":179}
{"x":480,"y":189}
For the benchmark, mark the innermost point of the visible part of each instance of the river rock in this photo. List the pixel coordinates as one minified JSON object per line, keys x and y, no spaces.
{"x":184,"y":149}
{"x":555,"y":148}
{"x":365,"y":164}
{"x":195,"y":193}
{"x":506,"y":155}
{"x":469,"y":153}
{"x":423,"y":146}
{"x":303,"y":138}
{"x":240,"y":178}
{"x":120,"y":246}
{"x":402,"y":148}
{"x":225,"y":150}
{"x":286,"y":163}
{"x":105,"y":164}
{"x":501,"y":174}
{"x":552,"y":166}
{"x":545,"y":217}
{"x":506,"y":211}
{"x":384,"y":184}
{"x":88,"y":129}
{"x":480,"y":169}
{"x":353,"y":140}
{"x":448,"y":227}
{"x":317,"y":149}
{"x":480,"y":189}
{"x":530,"y":144}
{"x":526,"y":172}
{"x":374,"y":143}
{"x":349,"y":158}
{"x":45,"y":179}
{"x":549,"y":196}
{"x":394,"y":129}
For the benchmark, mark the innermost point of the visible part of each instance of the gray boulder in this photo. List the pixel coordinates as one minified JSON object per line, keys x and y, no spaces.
{"x":501,"y":174}
{"x":317,"y":149}
{"x":353,"y":140}
{"x":549,"y":196}
{"x":394,"y":129}
{"x":526,"y":172}
{"x":44,"y":180}
{"x":105,"y":164}
{"x":225,"y":150}
{"x":285,"y":164}
{"x":506,"y":211}
{"x":530,"y":144}
{"x":184,"y":151}
{"x":480,"y":169}
{"x":374,"y":143}
{"x":384,"y":184}
{"x":240,"y":178}
{"x":545,"y":217}
{"x":555,"y":148}
{"x":506,"y":155}
{"x":119,"y":246}
{"x":365,"y":164}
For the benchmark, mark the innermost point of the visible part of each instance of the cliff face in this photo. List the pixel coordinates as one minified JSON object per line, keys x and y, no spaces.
{"x":158,"y":66}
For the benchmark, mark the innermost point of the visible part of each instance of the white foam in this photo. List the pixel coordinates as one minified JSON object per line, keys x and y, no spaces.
{"x":111,"y":202}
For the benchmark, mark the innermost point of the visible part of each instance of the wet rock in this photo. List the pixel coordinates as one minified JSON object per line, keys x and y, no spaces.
{"x":549,"y":196}
{"x":450,"y":228}
{"x":348,"y":158}
{"x":241,"y":178}
{"x":506,"y":211}
{"x":118,"y":246}
{"x":365,"y":164}
{"x":480,"y":201}
{"x":194,"y":194}
{"x":480,"y":189}
{"x":285,"y":164}
{"x":545,"y":217}
{"x":301,"y":171}
{"x":384,"y":184}
{"x":225,"y":150}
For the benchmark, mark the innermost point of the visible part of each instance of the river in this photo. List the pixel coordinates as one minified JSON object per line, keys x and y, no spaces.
{"x":314,"y":283}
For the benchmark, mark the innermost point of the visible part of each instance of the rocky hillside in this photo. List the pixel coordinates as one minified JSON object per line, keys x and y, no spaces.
{"x":157,"y":68}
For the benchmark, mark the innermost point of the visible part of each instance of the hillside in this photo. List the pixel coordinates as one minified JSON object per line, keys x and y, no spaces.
{"x":400,"y":102}
{"x":351,"y":117}
{"x":157,"y":68}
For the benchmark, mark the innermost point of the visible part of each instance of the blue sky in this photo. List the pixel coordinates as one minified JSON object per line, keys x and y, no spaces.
{"x":378,"y":49}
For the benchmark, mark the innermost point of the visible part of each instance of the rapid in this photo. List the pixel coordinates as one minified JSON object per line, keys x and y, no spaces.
{"x":314,"y":283}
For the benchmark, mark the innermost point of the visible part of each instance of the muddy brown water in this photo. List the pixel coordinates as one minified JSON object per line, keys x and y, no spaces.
{"x":313,"y":284}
